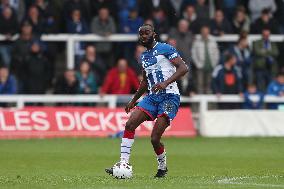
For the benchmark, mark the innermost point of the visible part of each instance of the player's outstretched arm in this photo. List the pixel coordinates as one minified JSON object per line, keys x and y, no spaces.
{"x":181,"y":70}
{"x":141,"y":90}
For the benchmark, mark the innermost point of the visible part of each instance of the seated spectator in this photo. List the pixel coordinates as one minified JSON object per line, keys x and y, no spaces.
{"x":18,"y":8}
{"x":146,"y":7}
{"x":104,"y":25}
{"x":71,"y":5}
{"x":202,"y":10}
{"x":132,"y":23}
{"x":241,"y":21}
{"x":67,"y":83}
{"x":20,"y":49}
{"x":120,"y":80}
{"x":8,"y":84}
{"x":276,"y":88}
{"x":35,"y":20}
{"x":190,"y":15}
{"x":244,"y":58}
{"x":265,"y":21}
{"x":114,"y":8}
{"x":205,"y":55}
{"x":36,"y":69}
{"x":226,"y":77}
{"x":160,"y":20}
{"x":9,"y":27}
{"x":256,"y":6}
{"x":96,"y":63}
{"x":47,"y":12}
{"x":220,"y":25}
{"x":228,"y":7}
{"x":77,"y":25}
{"x":86,"y":79}
{"x":184,"y":39}
{"x":264,"y":65}
{"x":251,"y":92}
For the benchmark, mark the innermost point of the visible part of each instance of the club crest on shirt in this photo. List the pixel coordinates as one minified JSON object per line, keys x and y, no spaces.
{"x":148,"y":60}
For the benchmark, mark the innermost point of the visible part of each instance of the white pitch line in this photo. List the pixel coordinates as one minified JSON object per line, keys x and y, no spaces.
{"x":234,"y":180}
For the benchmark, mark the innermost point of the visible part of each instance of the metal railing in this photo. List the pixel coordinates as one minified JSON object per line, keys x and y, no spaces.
{"x":112,"y":101}
{"x":70,"y":40}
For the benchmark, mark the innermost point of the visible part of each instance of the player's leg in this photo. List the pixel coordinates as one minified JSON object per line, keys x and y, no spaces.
{"x":160,"y":126}
{"x":137,"y":117}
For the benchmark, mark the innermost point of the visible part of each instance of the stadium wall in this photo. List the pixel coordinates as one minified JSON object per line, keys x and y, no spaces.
{"x":243,"y":123}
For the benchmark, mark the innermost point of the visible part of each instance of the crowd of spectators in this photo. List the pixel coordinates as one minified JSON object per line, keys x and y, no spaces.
{"x":28,"y":64}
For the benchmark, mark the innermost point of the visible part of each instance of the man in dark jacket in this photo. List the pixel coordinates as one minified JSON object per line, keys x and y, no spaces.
{"x":67,"y":83}
{"x":36,"y":69}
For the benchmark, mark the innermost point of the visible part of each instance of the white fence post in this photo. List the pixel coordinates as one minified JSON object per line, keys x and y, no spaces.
{"x":70,"y":53}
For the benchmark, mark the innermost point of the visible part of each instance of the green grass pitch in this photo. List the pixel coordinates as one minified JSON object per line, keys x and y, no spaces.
{"x":193,"y":163}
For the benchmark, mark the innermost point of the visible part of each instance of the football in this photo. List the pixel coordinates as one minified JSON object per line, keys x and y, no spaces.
{"x":122,"y":170}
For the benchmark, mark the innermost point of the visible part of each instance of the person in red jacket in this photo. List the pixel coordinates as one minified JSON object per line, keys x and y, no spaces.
{"x":120,"y":79}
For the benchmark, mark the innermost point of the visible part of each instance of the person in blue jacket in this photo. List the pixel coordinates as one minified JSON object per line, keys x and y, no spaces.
{"x":251,"y":92}
{"x":276,"y":88}
{"x":8,"y":84}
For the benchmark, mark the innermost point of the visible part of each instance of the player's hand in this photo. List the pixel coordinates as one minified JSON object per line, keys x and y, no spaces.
{"x":130,"y":106}
{"x":159,"y":86}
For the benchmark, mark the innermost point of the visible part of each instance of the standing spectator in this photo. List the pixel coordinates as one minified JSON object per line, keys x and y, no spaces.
{"x":241,"y":21}
{"x":8,"y":84}
{"x":184,"y":39}
{"x":220,"y":25}
{"x":276,"y":88}
{"x":251,"y":92}
{"x":104,"y":25}
{"x":9,"y":27}
{"x":205,"y":54}
{"x":67,"y":83}
{"x":35,"y":20}
{"x":20,"y":50}
{"x":96,"y":63}
{"x":227,"y":78}
{"x":244,"y":59}
{"x":264,"y":65}
{"x":86,"y":79}
{"x":77,"y":25}
{"x":256,"y":7}
{"x":120,"y":80}
{"x":36,"y":69}
{"x":265,"y":21}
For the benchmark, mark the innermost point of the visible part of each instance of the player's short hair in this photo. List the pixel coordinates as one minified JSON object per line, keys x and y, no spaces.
{"x":148,"y":25}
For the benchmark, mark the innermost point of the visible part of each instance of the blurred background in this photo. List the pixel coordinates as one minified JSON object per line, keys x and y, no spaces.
{"x":89,"y":47}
